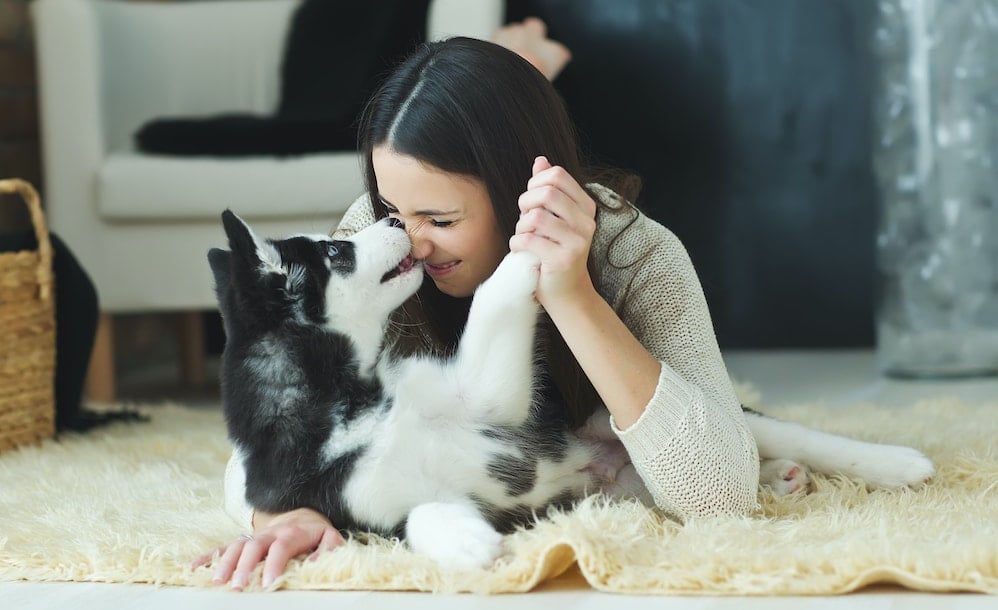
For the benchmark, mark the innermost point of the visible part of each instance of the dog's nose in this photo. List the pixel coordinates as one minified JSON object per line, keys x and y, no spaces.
{"x":395,"y":222}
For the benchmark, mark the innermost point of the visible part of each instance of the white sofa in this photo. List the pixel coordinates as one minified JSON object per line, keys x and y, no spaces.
{"x":141,"y":224}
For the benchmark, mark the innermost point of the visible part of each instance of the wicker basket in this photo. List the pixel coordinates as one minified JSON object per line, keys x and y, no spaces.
{"x":27,"y":333}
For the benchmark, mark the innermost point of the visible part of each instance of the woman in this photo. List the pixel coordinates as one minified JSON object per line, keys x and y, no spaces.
{"x":473,"y":149}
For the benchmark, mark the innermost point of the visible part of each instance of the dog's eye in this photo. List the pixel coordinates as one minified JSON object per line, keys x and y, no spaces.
{"x":332,"y":250}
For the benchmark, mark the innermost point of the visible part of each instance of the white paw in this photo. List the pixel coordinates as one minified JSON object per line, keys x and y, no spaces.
{"x":894,"y":466}
{"x":515,"y":277}
{"x":455,"y":535}
{"x":783,"y":477}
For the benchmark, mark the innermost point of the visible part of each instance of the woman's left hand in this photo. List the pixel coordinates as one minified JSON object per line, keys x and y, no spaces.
{"x":557,"y":222}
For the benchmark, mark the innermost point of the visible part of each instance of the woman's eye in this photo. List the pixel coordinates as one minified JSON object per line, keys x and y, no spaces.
{"x":332,"y":250}
{"x":441,"y":223}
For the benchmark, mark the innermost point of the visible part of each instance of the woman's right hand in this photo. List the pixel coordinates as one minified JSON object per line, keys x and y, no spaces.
{"x":275,"y":540}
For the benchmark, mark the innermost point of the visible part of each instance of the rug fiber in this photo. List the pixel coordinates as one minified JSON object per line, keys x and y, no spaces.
{"x":137,"y":502}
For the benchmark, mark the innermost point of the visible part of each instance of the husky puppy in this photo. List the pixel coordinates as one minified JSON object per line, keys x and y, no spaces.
{"x":447,"y":453}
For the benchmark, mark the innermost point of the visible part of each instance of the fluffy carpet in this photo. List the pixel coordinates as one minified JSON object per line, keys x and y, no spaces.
{"x":136,"y":502}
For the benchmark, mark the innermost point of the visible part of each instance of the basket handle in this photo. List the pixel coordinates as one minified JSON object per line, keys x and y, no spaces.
{"x":30,"y":196}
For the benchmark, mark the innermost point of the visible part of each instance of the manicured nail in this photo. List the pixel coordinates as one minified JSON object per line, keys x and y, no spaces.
{"x":238,"y":580}
{"x":218,"y":577}
{"x":267,"y":581}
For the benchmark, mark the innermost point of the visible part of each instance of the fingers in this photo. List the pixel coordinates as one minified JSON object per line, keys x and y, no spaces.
{"x":554,"y":211}
{"x":286,"y":536}
{"x":207,"y":558}
{"x":541,"y":163}
{"x":330,"y":540}
{"x":278,"y":556}
{"x":554,"y":188}
{"x":253,"y":552}
{"x":226,"y":563}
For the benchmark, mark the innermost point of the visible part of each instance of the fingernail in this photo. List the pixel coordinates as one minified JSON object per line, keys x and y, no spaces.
{"x":267,"y":581}
{"x":238,"y":581}
{"x":218,"y":577}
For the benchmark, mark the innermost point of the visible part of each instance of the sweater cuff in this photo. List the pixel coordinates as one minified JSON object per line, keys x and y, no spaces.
{"x":662,"y":416}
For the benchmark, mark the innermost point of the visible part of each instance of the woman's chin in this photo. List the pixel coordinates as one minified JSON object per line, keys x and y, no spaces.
{"x":454,"y":291}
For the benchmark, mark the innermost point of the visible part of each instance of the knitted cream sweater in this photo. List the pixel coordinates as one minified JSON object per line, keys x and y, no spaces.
{"x":691,"y":446}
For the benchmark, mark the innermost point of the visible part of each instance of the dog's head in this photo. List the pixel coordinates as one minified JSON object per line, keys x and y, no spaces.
{"x":348,"y":286}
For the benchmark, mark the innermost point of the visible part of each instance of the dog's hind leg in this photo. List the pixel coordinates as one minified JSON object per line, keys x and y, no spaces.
{"x":454,"y":534}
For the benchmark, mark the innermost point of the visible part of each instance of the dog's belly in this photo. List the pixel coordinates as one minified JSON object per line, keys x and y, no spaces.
{"x":412,"y":461}
{"x":402,"y":469}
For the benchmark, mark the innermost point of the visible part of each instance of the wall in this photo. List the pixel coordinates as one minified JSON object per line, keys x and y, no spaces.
{"x":19,"y":148}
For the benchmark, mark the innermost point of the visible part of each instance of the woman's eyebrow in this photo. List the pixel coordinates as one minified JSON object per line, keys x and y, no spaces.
{"x":420,"y":212}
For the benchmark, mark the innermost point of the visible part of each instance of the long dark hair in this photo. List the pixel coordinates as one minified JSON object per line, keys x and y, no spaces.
{"x":475,"y":108}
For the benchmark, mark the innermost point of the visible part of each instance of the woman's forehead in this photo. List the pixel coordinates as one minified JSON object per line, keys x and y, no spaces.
{"x":414,"y":186}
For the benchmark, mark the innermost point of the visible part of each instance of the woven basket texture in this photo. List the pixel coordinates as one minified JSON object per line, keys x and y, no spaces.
{"x":27,"y":332}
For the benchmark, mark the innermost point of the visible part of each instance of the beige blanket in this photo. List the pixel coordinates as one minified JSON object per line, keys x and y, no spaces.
{"x":136,"y":503}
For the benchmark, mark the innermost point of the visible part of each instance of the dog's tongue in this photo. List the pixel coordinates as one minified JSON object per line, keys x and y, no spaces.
{"x":404,"y":265}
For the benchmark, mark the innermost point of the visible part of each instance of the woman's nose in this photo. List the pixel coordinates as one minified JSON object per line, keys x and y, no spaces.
{"x":421,"y":247}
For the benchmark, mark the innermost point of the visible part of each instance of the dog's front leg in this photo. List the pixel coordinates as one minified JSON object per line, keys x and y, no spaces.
{"x":495,"y":359}
{"x":454,"y":534}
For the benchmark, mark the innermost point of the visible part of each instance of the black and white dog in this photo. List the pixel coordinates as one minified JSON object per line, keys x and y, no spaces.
{"x":448,"y":453}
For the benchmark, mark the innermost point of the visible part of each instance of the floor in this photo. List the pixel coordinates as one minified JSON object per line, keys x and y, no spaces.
{"x":831,"y":378}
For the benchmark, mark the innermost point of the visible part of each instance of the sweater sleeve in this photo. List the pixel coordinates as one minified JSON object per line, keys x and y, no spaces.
{"x":691,"y":446}
{"x":358,"y":215}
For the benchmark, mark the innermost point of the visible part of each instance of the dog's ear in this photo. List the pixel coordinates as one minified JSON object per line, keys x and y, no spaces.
{"x":241,"y":238}
{"x":220,"y":262}
{"x":246,"y":247}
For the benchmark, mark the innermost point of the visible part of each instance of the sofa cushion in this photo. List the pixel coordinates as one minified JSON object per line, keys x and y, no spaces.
{"x":135,"y":186}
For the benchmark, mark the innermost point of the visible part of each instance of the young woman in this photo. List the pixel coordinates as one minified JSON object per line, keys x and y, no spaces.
{"x":472,"y":148}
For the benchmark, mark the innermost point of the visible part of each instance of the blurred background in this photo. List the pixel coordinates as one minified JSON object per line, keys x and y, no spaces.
{"x":755,"y":125}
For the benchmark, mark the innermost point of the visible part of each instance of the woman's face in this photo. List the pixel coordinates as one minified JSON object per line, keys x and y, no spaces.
{"x":449,"y":218}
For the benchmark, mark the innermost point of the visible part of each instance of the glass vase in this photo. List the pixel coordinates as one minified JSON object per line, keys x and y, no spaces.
{"x":936,"y":117}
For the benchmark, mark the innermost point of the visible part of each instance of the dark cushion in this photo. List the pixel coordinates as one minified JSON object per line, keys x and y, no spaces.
{"x":749,"y":122}
{"x":336,"y":53}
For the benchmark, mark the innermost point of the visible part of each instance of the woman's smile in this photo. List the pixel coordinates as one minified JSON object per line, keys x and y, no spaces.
{"x":441,"y":269}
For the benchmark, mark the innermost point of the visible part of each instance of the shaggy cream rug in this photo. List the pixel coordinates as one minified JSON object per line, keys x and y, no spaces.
{"x":136,"y":502}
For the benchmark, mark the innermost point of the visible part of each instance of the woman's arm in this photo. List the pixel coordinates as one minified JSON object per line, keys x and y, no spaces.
{"x":681,"y":425}
{"x":557,"y":224}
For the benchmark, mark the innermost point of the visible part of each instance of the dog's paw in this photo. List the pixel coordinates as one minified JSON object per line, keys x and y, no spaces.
{"x":783,"y":477}
{"x":456,"y":536}
{"x":514,"y":278}
{"x":895,"y":466}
